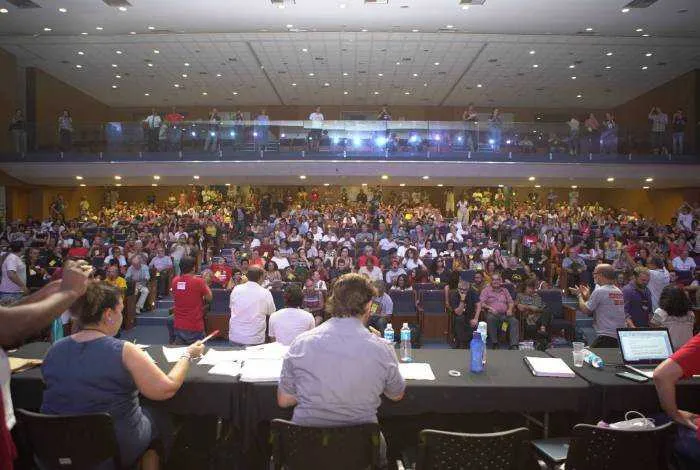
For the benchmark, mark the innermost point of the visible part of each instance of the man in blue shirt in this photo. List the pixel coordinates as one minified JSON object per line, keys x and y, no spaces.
{"x":638,"y":299}
{"x":139,"y":274}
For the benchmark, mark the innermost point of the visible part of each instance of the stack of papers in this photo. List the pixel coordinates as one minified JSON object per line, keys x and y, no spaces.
{"x":261,"y":370}
{"x":267,"y":351}
{"x":214,"y":357}
{"x":232,"y":369}
{"x":174,"y":354}
{"x":548,"y":367}
{"x":416,"y":371}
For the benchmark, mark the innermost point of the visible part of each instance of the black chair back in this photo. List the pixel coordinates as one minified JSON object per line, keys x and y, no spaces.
{"x":344,"y":448}
{"x":433,"y":302}
{"x":74,"y":442}
{"x":278,"y":297}
{"x":442,"y":450}
{"x":595,"y":448}
{"x":553,"y":302}
{"x":220,"y":301}
{"x":404,"y":302}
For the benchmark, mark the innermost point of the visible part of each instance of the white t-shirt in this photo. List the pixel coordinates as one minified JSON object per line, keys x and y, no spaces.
{"x":316,"y":116}
{"x":375,"y":274}
{"x":288,"y":323}
{"x":680,"y":265}
{"x":429,"y":252}
{"x":685,"y":221}
{"x":5,"y":374}
{"x":282,"y":262}
{"x":13,"y":263}
{"x":658,"y":279}
{"x":680,"y":329}
{"x":249,"y":303}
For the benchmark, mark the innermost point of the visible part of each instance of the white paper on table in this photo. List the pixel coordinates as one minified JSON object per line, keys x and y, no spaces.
{"x":261,"y":370}
{"x":267,"y":351}
{"x":231,"y":369}
{"x":141,"y":346}
{"x":214,"y":357}
{"x":416,"y":371}
{"x":174,"y":354}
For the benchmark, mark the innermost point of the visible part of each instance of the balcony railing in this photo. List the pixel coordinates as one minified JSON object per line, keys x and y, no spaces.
{"x":393,"y":140}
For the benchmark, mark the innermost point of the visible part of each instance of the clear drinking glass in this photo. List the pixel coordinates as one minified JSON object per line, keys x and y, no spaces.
{"x":578,"y":354}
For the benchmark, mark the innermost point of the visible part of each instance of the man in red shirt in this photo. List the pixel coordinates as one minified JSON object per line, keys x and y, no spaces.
{"x":362,"y":260}
{"x":683,"y":364}
{"x":190,"y":292}
{"x":221,"y":273}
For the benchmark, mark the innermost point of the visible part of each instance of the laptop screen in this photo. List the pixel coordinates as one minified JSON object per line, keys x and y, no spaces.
{"x":644,"y":345}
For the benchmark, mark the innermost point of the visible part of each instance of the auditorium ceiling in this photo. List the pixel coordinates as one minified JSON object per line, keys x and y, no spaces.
{"x":540,"y":53}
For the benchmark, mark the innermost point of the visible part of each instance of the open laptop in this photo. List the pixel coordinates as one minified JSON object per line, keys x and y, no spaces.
{"x":644,"y":348}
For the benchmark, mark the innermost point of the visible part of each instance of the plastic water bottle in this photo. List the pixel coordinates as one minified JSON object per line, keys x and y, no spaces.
{"x":389,"y":334}
{"x":593,"y":359}
{"x":406,"y":343}
{"x":476,"y":350}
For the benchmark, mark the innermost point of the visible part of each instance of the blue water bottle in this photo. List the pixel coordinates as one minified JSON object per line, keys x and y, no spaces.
{"x":476,"y":350}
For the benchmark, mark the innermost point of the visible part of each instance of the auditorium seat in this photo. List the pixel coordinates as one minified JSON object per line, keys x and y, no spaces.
{"x":552,"y":299}
{"x":297,"y":447}
{"x":405,"y":309}
{"x":219,"y":315}
{"x":434,"y":318}
{"x":220,"y":302}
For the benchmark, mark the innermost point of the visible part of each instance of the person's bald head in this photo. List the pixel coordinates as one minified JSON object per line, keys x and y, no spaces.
{"x":605,"y":274}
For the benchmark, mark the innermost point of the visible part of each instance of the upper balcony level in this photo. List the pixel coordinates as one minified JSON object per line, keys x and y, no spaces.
{"x":448,"y":141}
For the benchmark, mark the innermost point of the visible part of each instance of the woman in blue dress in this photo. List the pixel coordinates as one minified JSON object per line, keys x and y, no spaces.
{"x":92,"y":372}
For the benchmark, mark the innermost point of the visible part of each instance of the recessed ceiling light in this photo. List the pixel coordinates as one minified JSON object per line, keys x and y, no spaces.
{"x":326,"y":84}
{"x":573,"y":77}
{"x":81,"y":53}
{"x":436,"y":63}
{"x":3,"y":10}
{"x":122,"y":9}
{"x":364,"y":184}
{"x":99,"y":28}
{"x":196,"y":177}
{"x":186,"y":64}
{"x":398,"y":63}
{"x":534,"y":66}
{"x":346,"y":92}
{"x":385,"y":177}
{"x":440,"y":185}
{"x":639,"y":30}
{"x":402,"y":184}
{"x":608,"y":54}
{"x":228,"y":184}
{"x":326,"y":184}
{"x":415,"y":74}
{"x":156,"y":51}
{"x":47,"y":29}
{"x":572,"y":66}
{"x":303,"y":49}
{"x":204,"y":93}
{"x":294,"y":84}
{"x":146,"y":94}
{"x":79,"y":178}
{"x":426,"y":177}
{"x":117,"y":76}
{"x":415,"y":30}
{"x":538,"y":186}
{"x":610,"y":179}
{"x":83,"y":34}
{"x":117,"y":177}
{"x":151,"y":28}
{"x":579,"y":95}
{"x":625,"y":10}
{"x":574,"y":187}
{"x":345,"y":74}
{"x":154,"y":184}
{"x":449,"y":26}
{"x":500,"y":185}
{"x":118,"y":52}
{"x":156,"y":177}
{"x":406,"y":92}
{"x":184,"y":75}
{"x":376,"y":92}
{"x":177,"y":85}
{"x":218,"y":75}
{"x":114,"y":87}
{"x":589,"y":29}
{"x":364,"y":30}
{"x":645,"y":35}
{"x":608,"y":67}
{"x":531,"y":178}
{"x":649,"y":180}
{"x":649,"y":54}
{"x":644,"y":67}
{"x":78,"y":66}
{"x":132,"y":32}
{"x":235,"y":92}
{"x":380,"y":74}
{"x":82,"y":185}
{"x":114,"y":66}
{"x":645,"y":187}
{"x":118,"y":184}
{"x":532,"y":52}
{"x":425,"y":84}
{"x":311,"y":74}
{"x":63,"y":10}
{"x":302,"y":177}
{"x":479,"y":85}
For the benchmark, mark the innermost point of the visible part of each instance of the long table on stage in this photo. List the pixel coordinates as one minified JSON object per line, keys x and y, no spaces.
{"x":506,"y":386}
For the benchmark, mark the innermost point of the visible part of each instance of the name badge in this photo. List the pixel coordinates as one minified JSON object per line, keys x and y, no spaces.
{"x":181,"y":285}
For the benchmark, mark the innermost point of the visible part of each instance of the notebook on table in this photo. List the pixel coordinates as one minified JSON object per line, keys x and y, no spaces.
{"x":548,"y":367}
{"x":643,"y":349}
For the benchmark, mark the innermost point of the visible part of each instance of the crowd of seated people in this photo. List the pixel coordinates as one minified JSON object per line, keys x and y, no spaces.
{"x":402,"y":244}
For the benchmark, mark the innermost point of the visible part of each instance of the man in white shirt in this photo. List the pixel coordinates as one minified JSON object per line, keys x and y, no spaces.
{"x":281,"y":261}
{"x":316,"y":132}
{"x":370,"y":270}
{"x":386,"y":244}
{"x":250,"y":303}
{"x":659,"y":278}
{"x":683,"y":262}
{"x":288,"y":323}
{"x":152,"y":125}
